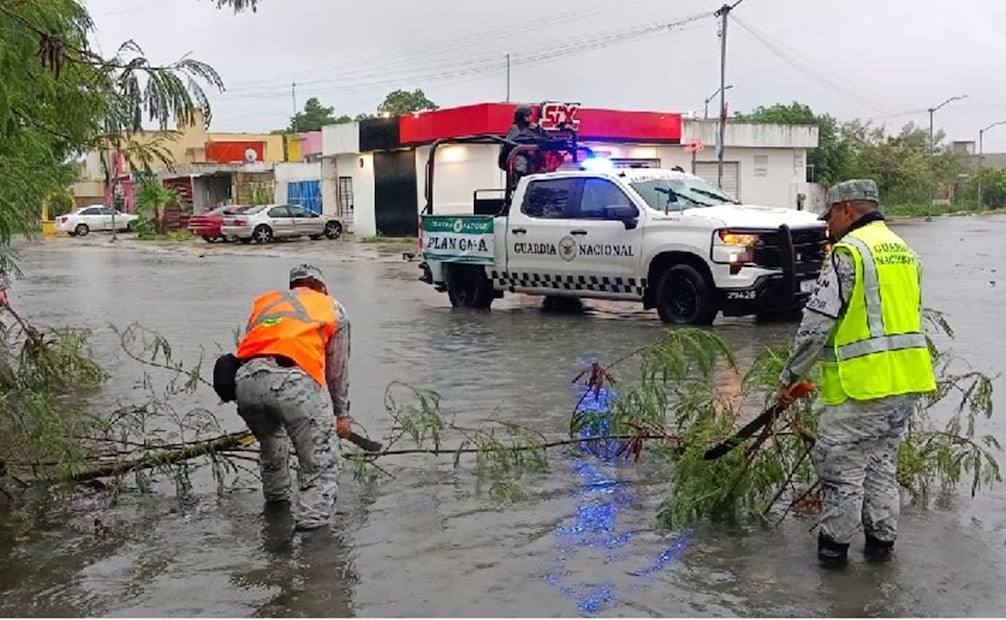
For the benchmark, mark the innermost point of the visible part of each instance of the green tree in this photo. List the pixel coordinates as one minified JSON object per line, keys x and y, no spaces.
{"x":901,"y":164}
{"x":61,"y":99}
{"x":399,"y":102}
{"x":831,"y":159}
{"x":315,"y":116}
{"x":151,"y":199}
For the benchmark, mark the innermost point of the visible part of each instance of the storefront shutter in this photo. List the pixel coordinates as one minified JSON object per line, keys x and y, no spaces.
{"x":707,"y":171}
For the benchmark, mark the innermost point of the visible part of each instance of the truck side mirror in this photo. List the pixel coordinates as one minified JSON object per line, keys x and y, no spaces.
{"x":627,"y":214}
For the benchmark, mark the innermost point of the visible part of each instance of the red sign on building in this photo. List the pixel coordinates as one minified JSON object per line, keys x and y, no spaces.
{"x":554,"y":116}
{"x":592,"y":124}
{"x":235,"y":151}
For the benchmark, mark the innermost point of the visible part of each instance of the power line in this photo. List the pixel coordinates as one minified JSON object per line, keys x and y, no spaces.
{"x":609,"y":39}
{"x":777,"y":49}
{"x":449,"y":48}
{"x":494,"y":63}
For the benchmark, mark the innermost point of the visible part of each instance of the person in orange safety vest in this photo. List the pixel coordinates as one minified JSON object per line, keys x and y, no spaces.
{"x":294,"y":382}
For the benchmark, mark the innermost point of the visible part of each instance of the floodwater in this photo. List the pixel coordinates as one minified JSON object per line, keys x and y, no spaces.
{"x":430,"y":542}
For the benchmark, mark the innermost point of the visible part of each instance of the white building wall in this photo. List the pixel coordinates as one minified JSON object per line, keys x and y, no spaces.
{"x":341,"y":139}
{"x":349,"y":165}
{"x":330,"y":188}
{"x":750,"y":135}
{"x":292,"y":172}
{"x":460,"y":169}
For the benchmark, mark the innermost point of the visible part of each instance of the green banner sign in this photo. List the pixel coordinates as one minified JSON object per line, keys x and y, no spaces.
{"x":458,"y":239}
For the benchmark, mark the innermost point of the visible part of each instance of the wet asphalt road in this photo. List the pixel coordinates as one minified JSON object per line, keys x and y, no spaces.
{"x":429,"y":542}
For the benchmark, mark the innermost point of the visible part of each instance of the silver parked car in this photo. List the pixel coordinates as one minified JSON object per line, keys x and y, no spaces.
{"x":263,"y":223}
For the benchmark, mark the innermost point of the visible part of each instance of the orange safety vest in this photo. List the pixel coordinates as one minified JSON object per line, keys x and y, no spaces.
{"x":296,"y":324}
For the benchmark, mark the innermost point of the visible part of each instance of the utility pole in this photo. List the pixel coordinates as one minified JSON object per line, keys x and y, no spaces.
{"x":293,"y":94}
{"x":710,"y":98}
{"x":981,"y":159}
{"x":508,"y":77}
{"x":931,"y":144}
{"x":723,"y":12}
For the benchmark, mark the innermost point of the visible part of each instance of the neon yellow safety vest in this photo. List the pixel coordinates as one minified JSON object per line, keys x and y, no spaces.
{"x":878,"y":347}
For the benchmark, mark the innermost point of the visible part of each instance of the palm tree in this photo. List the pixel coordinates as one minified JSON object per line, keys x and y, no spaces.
{"x":154,"y":196}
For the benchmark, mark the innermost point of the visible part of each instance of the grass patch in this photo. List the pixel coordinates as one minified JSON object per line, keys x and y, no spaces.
{"x":924,"y":210}
{"x":175,"y":235}
{"x":379,"y":238}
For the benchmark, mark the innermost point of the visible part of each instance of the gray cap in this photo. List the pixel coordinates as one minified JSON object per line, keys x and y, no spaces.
{"x":854,"y":189}
{"x":301,"y":272}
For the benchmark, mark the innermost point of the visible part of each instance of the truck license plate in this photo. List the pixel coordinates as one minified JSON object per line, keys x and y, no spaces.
{"x":807,"y":286}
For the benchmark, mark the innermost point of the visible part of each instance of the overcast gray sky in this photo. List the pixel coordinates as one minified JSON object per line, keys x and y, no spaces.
{"x":885,"y":59}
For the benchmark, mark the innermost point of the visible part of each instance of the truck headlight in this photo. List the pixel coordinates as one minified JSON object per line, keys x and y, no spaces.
{"x":735,"y":248}
{"x":729,"y":237}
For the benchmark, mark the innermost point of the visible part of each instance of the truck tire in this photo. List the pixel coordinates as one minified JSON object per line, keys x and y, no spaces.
{"x":684,"y":297}
{"x":468,"y":287}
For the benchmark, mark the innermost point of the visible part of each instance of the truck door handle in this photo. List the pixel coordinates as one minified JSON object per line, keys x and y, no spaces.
{"x":578,"y":232}
{"x":518,"y":231}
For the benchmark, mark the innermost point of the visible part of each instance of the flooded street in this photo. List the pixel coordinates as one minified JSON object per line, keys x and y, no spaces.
{"x":431,"y":543}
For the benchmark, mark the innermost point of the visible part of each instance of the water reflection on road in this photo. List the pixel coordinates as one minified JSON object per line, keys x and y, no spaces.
{"x":426,"y":543}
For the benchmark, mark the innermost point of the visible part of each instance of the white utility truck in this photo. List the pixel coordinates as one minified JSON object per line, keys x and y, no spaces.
{"x":586,"y":229}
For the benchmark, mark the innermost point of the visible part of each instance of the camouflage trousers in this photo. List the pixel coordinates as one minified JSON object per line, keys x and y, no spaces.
{"x":856,"y":459}
{"x":283,"y":405}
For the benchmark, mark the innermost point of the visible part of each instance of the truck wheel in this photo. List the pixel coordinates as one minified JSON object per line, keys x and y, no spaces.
{"x":684,"y":297}
{"x":468,"y":287}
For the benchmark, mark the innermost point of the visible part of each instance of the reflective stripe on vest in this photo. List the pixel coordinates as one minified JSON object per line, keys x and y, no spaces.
{"x":294,"y":324}
{"x":866,"y":359}
{"x":298,"y":312}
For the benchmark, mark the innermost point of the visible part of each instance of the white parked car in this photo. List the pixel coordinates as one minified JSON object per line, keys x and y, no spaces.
{"x":263,"y":223}
{"x":95,"y":217}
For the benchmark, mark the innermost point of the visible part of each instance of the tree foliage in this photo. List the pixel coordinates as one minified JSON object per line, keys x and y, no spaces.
{"x":399,"y":102}
{"x":315,"y":116}
{"x":60,"y":99}
{"x":900,"y":162}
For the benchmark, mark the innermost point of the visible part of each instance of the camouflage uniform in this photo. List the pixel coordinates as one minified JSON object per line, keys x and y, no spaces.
{"x":857,"y":445}
{"x":279,"y":402}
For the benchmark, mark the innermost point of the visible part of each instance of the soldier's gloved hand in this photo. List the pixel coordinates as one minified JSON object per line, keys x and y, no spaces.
{"x":4,"y":302}
{"x":784,"y":394}
{"x":343,"y":426}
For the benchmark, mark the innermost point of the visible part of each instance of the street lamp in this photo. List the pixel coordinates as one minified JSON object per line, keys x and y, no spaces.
{"x":710,"y":98}
{"x":981,"y":157}
{"x":931,"y":110}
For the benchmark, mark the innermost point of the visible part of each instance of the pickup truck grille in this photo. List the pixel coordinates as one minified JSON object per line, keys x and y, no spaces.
{"x":808,"y":249}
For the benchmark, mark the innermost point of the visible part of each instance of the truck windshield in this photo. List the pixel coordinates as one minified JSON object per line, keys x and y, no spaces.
{"x":677,"y":193}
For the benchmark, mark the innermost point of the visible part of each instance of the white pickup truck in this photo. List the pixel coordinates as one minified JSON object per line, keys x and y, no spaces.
{"x":664,"y":238}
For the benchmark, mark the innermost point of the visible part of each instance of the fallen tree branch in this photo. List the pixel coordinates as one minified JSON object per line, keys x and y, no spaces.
{"x":156,"y":459}
{"x":235,"y":442}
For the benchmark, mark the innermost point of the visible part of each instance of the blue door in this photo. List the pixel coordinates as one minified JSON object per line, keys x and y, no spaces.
{"x":306,"y":194}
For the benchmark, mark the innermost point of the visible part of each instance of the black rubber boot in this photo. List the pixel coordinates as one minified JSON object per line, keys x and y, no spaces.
{"x":876,"y":549}
{"x":830,"y":553}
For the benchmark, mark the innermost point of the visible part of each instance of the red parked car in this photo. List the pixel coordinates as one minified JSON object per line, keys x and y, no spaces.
{"x":207,"y":225}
